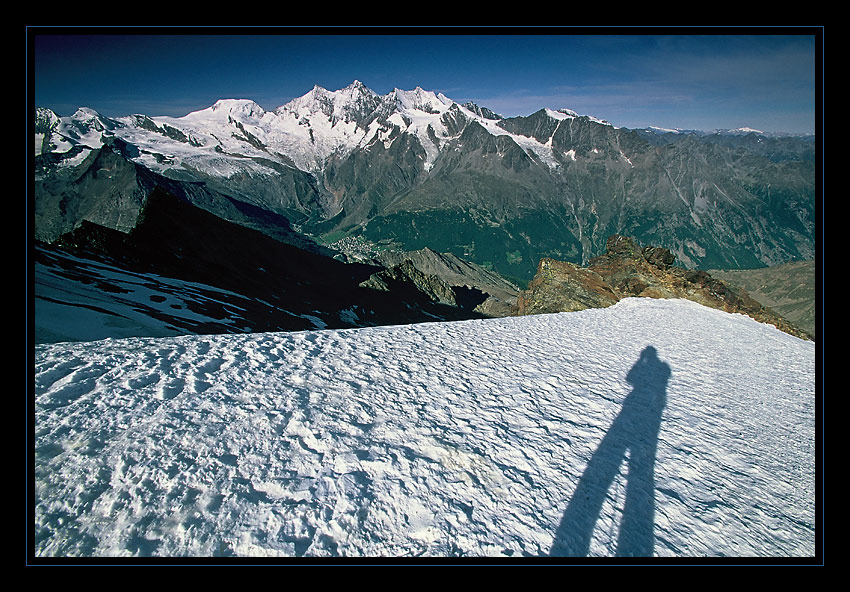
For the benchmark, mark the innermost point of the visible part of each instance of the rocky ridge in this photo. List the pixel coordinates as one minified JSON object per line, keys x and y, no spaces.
{"x":406,"y":276}
{"x":474,"y":287}
{"x":629,"y":270}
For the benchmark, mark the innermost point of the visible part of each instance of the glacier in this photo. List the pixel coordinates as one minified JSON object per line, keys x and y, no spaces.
{"x":650,"y":428}
{"x":238,"y":136}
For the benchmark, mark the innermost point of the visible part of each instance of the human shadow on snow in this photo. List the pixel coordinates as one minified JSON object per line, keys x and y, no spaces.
{"x":634,"y":430}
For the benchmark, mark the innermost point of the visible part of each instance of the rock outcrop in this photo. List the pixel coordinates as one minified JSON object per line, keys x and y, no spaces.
{"x":560,"y":286}
{"x":629,"y":270}
{"x":474,"y":287}
{"x":407,"y":278}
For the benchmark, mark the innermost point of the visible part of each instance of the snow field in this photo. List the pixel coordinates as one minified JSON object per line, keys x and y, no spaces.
{"x":308,"y":130}
{"x":439,"y":439}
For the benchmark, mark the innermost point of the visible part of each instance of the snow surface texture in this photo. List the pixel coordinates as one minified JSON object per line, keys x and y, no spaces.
{"x":653,"y":427}
{"x":110,"y":302}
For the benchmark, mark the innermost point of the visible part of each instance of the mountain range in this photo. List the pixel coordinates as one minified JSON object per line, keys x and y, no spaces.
{"x":414,"y":169}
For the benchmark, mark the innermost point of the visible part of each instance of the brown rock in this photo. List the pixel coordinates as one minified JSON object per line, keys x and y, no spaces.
{"x":659,"y":256}
{"x":406,"y":277}
{"x":627,"y":270}
{"x":559,"y":286}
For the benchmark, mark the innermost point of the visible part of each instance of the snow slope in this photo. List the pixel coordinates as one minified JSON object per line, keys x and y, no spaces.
{"x":239,"y":137}
{"x":498,"y":438}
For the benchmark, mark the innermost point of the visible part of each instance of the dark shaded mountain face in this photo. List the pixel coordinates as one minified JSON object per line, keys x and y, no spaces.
{"x":108,"y":189}
{"x":489,"y":201}
{"x":629,"y":270}
{"x":240,"y":279}
{"x":473,"y":286}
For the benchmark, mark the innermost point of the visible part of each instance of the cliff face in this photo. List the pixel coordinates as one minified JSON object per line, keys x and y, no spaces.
{"x":405,"y":277}
{"x":629,"y":270}
{"x":474,"y":287}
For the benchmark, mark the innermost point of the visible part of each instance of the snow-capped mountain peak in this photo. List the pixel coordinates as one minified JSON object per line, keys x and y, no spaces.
{"x":238,"y":135}
{"x":747,"y":130}
{"x":224,"y":112}
{"x":86,"y":119}
{"x":86,"y":127}
{"x":421,"y":100}
{"x":245,"y":107}
{"x":350,"y":103}
{"x":561,"y":114}
{"x":306,"y":131}
{"x":357,"y":87}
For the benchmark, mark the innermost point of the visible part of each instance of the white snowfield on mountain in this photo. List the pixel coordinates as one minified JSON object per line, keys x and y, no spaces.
{"x":307,"y":130}
{"x":652,"y":427}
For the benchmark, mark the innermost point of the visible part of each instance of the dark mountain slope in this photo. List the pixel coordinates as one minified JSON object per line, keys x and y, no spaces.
{"x":274,"y":286}
{"x":708,"y":205}
{"x":110,"y":190}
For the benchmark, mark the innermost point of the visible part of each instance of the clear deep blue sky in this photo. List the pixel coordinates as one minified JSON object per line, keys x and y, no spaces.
{"x":677,"y":79}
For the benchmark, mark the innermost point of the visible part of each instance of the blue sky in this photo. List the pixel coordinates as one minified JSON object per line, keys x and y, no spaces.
{"x":630,"y":78}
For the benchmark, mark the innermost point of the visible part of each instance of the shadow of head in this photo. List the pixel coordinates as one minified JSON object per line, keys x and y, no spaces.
{"x":649,"y":353}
